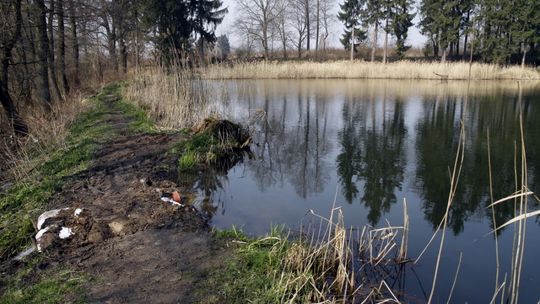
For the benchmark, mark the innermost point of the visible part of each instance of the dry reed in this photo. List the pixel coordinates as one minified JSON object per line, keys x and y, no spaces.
{"x":48,"y":132}
{"x":329,"y":263}
{"x":367,"y":70}
{"x":173,"y":99}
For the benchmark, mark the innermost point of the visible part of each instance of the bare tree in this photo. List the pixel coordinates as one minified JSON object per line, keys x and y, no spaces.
{"x":283,"y":27}
{"x":256,"y":20}
{"x":327,"y":18}
{"x":296,"y":11}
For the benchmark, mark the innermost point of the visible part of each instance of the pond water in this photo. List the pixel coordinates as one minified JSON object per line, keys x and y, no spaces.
{"x":372,"y":144}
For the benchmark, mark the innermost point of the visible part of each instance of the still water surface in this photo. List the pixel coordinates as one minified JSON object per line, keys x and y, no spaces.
{"x":375,"y":143}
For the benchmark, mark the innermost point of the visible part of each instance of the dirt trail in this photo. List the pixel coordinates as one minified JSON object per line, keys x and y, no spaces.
{"x":139,"y":249}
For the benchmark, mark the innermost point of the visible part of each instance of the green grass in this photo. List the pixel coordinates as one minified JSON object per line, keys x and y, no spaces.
{"x":27,"y":198}
{"x":22,"y":204}
{"x":51,"y":286}
{"x":252,"y":275}
{"x":188,"y":161}
{"x":140,"y":122}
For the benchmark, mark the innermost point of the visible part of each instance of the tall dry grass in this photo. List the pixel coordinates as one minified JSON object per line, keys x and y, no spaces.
{"x":48,"y":132}
{"x":367,"y":70}
{"x":329,"y":263}
{"x":174,"y":98}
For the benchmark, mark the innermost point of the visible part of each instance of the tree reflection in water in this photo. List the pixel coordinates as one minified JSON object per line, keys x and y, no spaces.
{"x":379,"y":131}
{"x":372,"y":152}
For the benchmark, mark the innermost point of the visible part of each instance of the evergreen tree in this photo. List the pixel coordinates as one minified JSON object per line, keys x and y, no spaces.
{"x":440,"y":21}
{"x":350,"y":15}
{"x":205,"y":15}
{"x":372,"y":15}
{"x":495,"y":19}
{"x":178,"y":23}
{"x":401,"y":21}
{"x":525,"y":29}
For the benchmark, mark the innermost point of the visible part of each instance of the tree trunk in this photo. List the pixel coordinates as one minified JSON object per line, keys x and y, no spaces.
{"x":443,"y":57}
{"x":524,"y":57}
{"x":284,"y":39}
{"x":18,"y":124}
{"x":44,"y":92}
{"x":265,"y":43}
{"x":123,"y":56}
{"x":352,"y":44}
{"x":50,"y":29}
{"x":308,"y":25}
{"x":318,"y":26}
{"x":385,"y":53}
{"x":75,"y":43}
{"x":457,"y":47}
{"x":62,"y":46}
{"x":51,"y":66}
{"x":465,"y":45}
{"x":374,"y":46}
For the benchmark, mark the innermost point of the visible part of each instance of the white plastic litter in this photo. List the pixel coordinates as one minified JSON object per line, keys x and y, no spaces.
{"x":41,"y":233}
{"x":25,"y":253}
{"x":170,"y":200}
{"x":78,"y":212}
{"x":65,"y":232}
{"x":46,"y":215}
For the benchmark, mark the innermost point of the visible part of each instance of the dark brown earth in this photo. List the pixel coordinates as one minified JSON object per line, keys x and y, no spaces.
{"x":137,"y":248}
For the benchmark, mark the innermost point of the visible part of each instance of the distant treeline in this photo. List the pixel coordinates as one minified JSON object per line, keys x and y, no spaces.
{"x":492,"y":31}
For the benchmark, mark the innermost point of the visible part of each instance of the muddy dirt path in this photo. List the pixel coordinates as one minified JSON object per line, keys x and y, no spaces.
{"x":137,"y":249}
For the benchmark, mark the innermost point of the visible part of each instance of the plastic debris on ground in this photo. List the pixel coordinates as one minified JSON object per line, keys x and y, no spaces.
{"x":65,"y":232}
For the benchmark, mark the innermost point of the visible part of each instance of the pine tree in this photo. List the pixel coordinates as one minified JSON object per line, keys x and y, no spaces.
{"x":495,"y":17}
{"x":440,"y":21}
{"x":176,"y":22}
{"x":350,"y":15}
{"x":372,"y":15}
{"x":401,"y":21}
{"x":525,"y":29}
{"x":204,"y":16}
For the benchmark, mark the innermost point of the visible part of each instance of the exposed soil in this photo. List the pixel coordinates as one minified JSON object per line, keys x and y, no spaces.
{"x":136,"y":248}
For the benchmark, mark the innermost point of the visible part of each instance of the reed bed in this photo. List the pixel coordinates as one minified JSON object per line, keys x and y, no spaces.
{"x":173,"y":98}
{"x":367,"y":70}
{"x":328,"y":263}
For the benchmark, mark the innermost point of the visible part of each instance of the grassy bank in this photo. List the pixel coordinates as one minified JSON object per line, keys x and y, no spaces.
{"x":40,"y":174}
{"x":318,"y":265}
{"x":368,"y":70}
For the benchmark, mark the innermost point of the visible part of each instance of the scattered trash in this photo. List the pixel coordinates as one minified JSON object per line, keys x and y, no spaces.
{"x":46,"y":215}
{"x":172,"y":201}
{"x":65,"y":232}
{"x":28,"y":251}
{"x":43,"y":242}
{"x":176,"y":196}
{"x":41,"y":232}
{"x":78,"y":212}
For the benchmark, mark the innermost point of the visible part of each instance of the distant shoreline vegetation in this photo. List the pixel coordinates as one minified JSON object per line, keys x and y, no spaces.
{"x":368,"y":70}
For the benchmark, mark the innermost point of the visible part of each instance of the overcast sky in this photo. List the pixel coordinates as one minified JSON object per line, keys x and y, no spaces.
{"x":415,"y":38}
